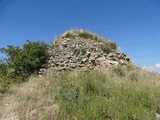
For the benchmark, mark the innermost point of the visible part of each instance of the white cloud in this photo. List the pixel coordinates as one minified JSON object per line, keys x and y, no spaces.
{"x":144,"y":67}
{"x":148,"y":68}
{"x":157,"y":66}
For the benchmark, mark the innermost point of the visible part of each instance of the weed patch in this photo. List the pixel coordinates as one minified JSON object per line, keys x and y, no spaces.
{"x":83,"y":51}
{"x":99,"y":98}
{"x":86,"y":35}
{"x":134,"y":76}
{"x":120,"y":71}
{"x":69,"y":35}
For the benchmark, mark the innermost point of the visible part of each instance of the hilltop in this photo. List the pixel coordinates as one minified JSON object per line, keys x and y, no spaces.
{"x":84,"y":49}
{"x":86,"y":77}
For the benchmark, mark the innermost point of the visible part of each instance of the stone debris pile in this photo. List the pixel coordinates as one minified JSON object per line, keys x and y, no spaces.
{"x":73,"y":51}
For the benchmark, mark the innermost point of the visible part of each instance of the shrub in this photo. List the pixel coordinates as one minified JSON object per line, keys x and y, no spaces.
{"x":3,"y":69}
{"x":3,"y":78}
{"x":24,"y":61}
{"x":35,"y":55}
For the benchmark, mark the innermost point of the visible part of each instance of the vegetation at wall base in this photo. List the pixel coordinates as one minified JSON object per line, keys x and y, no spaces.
{"x":97,"y":96}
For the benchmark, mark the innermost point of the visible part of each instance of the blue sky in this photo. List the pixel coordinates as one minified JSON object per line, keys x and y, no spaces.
{"x":133,"y":24}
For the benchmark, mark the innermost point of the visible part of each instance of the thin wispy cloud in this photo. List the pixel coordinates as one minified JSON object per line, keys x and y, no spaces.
{"x":155,"y":68}
{"x":157,"y":65}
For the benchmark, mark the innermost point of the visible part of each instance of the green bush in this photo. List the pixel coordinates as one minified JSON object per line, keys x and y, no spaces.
{"x":5,"y":73}
{"x":35,"y":55}
{"x":27,"y":60}
{"x":3,"y":78}
{"x":3,"y":69}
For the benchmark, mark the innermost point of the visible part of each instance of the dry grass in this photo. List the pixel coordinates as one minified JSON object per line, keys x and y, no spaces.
{"x":85,"y":34}
{"x":35,"y":99}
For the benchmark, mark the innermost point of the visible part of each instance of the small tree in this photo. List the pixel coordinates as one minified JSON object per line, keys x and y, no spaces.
{"x":34,"y":55}
{"x":28,"y":59}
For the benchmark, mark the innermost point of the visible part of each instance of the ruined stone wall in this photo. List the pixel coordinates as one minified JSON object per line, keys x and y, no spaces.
{"x":78,"y":52}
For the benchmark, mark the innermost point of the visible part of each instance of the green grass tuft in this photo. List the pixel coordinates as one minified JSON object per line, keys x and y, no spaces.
{"x":86,"y":35}
{"x":120,"y":71}
{"x":83,"y":51}
{"x":69,"y":35}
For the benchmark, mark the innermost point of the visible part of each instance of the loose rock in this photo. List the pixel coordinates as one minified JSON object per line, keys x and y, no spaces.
{"x":83,"y":52}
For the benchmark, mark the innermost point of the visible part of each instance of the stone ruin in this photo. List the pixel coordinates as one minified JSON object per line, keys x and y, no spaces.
{"x":83,"y":49}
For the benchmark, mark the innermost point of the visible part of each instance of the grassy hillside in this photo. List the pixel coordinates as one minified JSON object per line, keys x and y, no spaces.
{"x":114,"y":94}
{"x":87,"y":78}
